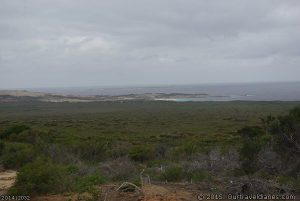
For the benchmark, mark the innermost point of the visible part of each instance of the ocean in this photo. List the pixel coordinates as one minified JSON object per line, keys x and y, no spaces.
{"x":279,"y":91}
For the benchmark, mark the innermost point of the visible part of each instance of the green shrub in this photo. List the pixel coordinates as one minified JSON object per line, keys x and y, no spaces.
{"x":158,"y":163}
{"x":1,"y":147}
{"x":281,"y":133}
{"x":95,"y":193}
{"x":26,"y":136}
{"x":117,"y":152}
{"x":92,"y":150}
{"x":87,"y":183}
{"x":190,"y":148}
{"x":297,"y":184}
{"x":249,"y":132}
{"x":248,"y":155}
{"x":41,"y":177}
{"x":72,"y":169}
{"x":289,"y":181}
{"x":173,"y":174}
{"x":140,"y":153}
{"x":264,"y":175}
{"x":160,"y":151}
{"x":15,"y":155}
{"x":286,"y":133}
{"x":15,"y":129}
{"x":252,"y":142}
{"x":135,"y":180}
{"x":198,"y":176}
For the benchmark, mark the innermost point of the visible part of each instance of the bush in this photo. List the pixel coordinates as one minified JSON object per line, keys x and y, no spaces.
{"x":1,"y":147}
{"x":173,"y":174}
{"x":290,"y":182}
{"x":119,"y":169}
{"x":252,"y":142}
{"x":92,"y":150}
{"x":187,"y":149}
{"x":26,"y":136}
{"x":200,"y":175}
{"x":160,"y":151}
{"x":14,"y":155}
{"x":251,"y":132}
{"x":249,"y":153}
{"x":140,"y":153}
{"x":286,"y":132}
{"x":15,"y":129}
{"x":87,"y":183}
{"x":40,"y":177}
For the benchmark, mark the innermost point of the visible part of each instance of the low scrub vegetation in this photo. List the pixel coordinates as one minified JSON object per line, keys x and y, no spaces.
{"x":193,"y":143}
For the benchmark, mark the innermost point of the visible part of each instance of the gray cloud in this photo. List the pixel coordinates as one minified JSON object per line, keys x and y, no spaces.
{"x":46,"y":43}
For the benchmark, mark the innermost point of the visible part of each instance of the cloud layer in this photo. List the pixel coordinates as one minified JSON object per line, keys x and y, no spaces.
{"x":49,"y":43}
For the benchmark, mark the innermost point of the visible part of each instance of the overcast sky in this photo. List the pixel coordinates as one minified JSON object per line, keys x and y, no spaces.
{"x":52,"y":43}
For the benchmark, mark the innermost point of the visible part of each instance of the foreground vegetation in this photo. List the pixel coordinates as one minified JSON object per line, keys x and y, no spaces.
{"x":73,"y":147}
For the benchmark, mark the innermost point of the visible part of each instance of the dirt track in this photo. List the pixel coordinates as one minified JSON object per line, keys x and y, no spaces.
{"x":7,"y":179}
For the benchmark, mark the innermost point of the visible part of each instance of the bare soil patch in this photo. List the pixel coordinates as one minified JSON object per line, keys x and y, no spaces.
{"x":7,"y":180}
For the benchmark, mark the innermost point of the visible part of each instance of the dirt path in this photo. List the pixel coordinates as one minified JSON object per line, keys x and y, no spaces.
{"x":7,"y":179}
{"x":158,"y":193}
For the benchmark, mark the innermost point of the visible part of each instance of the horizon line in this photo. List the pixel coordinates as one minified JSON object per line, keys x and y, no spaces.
{"x":147,"y":85}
